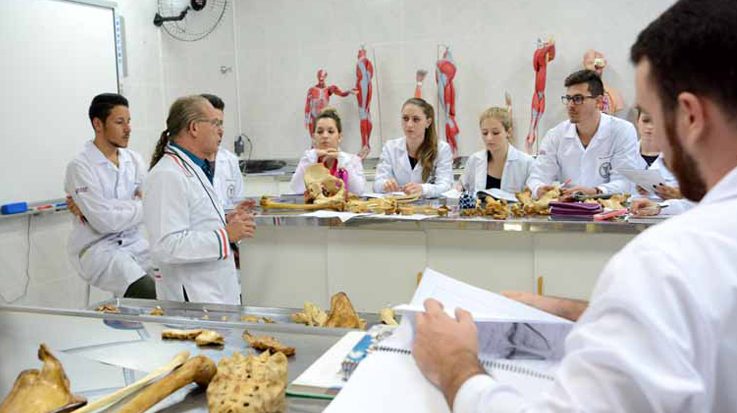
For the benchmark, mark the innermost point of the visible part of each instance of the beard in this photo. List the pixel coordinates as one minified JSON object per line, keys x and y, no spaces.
{"x":121,"y":144}
{"x":683,"y":166}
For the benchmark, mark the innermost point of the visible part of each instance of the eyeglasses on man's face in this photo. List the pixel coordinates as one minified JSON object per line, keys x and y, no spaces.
{"x":576,"y":99}
{"x":218,"y":123}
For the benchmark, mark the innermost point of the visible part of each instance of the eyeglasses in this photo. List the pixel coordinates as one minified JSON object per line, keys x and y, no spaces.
{"x":214,"y":122}
{"x":576,"y":99}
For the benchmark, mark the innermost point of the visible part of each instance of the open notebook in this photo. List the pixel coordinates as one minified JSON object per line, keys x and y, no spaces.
{"x":324,"y":378}
{"x":519,"y":346}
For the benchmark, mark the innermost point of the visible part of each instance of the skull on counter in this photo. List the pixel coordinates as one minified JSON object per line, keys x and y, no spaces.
{"x":322,"y":188}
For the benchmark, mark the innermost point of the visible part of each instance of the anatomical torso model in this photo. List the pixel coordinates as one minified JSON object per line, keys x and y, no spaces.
{"x":544,"y":53}
{"x":364,"y":75}
{"x":445,"y":71}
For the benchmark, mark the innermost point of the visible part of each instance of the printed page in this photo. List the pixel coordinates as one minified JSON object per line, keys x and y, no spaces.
{"x":507,"y":329}
{"x":484,"y":305}
{"x":645,"y":178}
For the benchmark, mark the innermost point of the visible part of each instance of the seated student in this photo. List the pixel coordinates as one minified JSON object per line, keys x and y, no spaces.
{"x":228,"y":180}
{"x":668,"y":190}
{"x":589,"y":148}
{"x":648,"y":147}
{"x":500,"y":165}
{"x":416,"y":163}
{"x":326,"y":150}
{"x":104,"y":190}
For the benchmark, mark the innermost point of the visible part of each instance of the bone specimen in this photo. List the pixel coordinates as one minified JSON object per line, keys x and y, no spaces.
{"x":268,"y":343}
{"x":41,"y":391}
{"x":249,"y":384}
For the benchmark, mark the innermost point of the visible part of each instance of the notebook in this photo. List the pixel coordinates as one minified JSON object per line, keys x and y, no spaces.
{"x":324,"y":378}
{"x":519,"y":346}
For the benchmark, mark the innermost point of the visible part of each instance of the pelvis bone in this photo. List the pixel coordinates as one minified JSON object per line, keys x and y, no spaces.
{"x":322,"y":188}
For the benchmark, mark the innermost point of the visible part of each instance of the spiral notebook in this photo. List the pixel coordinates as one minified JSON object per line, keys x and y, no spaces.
{"x":518,"y":345}
{"x":388,"y":380}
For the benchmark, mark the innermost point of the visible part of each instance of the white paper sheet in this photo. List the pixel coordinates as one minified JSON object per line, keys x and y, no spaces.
{"x":343,"y":216}
{"x":382,"y":195}
{"x":397,"y":217}
{"x":498,"y":194}
{"x":482,"y":304}
{"x":645,"y":178}
{"x":505,"y":327}
{"x":326,"y":372}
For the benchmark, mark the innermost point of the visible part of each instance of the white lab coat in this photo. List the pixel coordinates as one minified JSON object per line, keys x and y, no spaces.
{"x":514,"y":176}
{"x":660,"y":333}
{"x":109,"y":250}
{"x":186,"y":226}
{"x":228,"y":179}
{"x":562,"y":157}
{"x":351,"y":163}
{"x":394,"y":164}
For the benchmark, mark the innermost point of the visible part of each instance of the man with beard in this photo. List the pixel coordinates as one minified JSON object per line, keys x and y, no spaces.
{"x":103,"y":185}
{"x":660,"y":332}
{"x":586,"y":151}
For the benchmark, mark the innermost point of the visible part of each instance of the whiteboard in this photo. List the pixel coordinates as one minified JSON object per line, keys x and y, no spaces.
{"x":55,"y":57}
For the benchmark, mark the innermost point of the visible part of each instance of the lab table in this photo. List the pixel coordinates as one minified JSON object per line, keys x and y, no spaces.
{"x":103,"y":352}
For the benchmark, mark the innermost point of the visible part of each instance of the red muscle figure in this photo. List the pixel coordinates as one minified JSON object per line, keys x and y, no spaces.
{"x":318,"y":97}
{"x":445,"y":71}
{"x":544,"y":53}
{"x":364,"y":75}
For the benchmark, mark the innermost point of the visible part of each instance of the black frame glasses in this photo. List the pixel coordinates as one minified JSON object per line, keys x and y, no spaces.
{"x":576,"y":99}
{"x":214,"y":122}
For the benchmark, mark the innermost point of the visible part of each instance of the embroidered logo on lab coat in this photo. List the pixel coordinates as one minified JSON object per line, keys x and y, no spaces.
{"x":605,"y":169}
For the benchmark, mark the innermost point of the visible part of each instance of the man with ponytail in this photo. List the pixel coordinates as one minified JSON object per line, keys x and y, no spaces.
{"x":103,"y":185}
{"x":184,"y":216}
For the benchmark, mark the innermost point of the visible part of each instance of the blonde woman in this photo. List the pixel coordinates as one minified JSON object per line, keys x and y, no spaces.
{"x":417,"y":163}
{"x":499,"y":165}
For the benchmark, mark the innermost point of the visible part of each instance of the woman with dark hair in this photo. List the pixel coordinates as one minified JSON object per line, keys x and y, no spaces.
{"x":326,"y":150}
{"x":417,"y":163}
